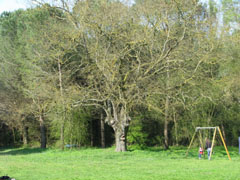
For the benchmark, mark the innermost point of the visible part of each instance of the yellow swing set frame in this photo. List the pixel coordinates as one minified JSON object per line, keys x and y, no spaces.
{"x":198,"y":129}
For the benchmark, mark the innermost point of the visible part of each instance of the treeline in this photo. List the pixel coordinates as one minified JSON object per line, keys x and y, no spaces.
{"x":104,"y":72}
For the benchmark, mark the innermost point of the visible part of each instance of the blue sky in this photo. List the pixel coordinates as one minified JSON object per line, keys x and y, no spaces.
{"x":11,"y":5}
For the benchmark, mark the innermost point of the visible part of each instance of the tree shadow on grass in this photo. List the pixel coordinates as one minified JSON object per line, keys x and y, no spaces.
{"x":21,"y":151}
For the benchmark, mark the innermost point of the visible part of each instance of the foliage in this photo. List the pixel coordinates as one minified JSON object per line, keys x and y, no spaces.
{"x":136,"y":135}
{"x":153,"y":71}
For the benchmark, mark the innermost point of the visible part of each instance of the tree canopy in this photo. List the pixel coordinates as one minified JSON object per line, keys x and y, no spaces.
{"x":151,"y":70}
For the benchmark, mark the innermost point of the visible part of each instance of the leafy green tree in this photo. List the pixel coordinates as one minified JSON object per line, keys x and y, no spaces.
{"x":128,"y":48}
{"x":25,"y":76}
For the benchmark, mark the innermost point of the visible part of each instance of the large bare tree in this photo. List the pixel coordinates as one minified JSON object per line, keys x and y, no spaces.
{"x":129,"y":50}
{"x":126,"y":54}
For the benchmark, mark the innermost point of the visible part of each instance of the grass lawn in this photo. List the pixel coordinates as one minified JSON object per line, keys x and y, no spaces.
{"x":105,"y":164}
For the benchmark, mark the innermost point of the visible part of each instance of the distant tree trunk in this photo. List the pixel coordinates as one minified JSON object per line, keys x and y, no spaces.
{"x":166,"y":146}
{"x":91,"y":133}
{"x":25,"y":135}
{"x":63,"y":104}
{"x":102,"y":124}
{"x":62,"y":136}
{"x":223,"y":132}
{"x":71,"y":134}
{"x":14,"y":136}
{"x":43,"y":137}
{"x":24,"y":131}
{"x":208,"y":124}
{"x":175,"y":127}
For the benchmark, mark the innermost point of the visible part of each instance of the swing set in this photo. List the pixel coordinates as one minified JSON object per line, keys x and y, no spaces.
{"x":199,"y":130}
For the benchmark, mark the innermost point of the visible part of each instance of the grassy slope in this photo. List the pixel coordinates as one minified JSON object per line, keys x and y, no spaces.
{"x":105,"y":164}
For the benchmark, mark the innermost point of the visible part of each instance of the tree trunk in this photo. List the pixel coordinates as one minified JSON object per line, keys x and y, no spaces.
{"x":102,"y":124}
{"x":25,"y":135}
{"x":121,"y":139}
{"x":118,"y":118}
{"x":175,"y":127}
{"x":208,"y":124}
{"x":166,"y":146}
{"x":166,"y":133}
{"x":43,"y":137}
{"x":24,"y":130}
{"x":14,"y":136}
{"x":71,"y":134}
{"x":62,"y":136}
{"x":63,"y":103}
{"x":166,"y":109}
{"x":223,"y":132}
{"x":91,"y":133}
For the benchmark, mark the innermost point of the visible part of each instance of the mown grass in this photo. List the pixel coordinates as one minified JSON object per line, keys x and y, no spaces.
{"x":105,"y":164}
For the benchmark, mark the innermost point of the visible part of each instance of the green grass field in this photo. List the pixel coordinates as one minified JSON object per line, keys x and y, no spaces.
{"x":105,"y":164}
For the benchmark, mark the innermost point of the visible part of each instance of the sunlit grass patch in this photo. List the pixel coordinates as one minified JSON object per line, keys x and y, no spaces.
{"x":106,"y":164}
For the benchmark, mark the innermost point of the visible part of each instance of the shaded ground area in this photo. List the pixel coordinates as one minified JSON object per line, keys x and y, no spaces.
{"x":21,"y":151}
